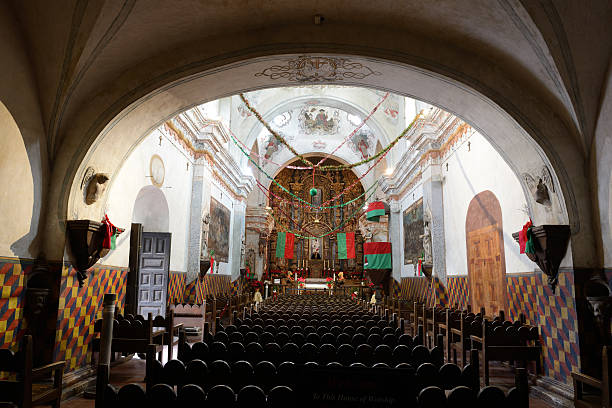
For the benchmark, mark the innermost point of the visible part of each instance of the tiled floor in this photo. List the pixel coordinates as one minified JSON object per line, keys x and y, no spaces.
{"x":133,"y":372}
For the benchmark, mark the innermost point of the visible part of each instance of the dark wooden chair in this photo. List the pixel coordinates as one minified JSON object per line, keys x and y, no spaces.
{"x":583,"y":399}
{"x":171,"y":335}
{"x":132,"y":334}
{"x":27,"y":386}
{"x":499,"y":342}
{"x":192,"y":317}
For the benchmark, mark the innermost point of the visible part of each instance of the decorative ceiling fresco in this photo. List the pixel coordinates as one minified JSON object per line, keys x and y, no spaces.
{"x":319,"y":120}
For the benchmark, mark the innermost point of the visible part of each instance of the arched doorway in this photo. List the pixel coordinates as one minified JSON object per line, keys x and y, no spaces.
{"x":151,"y":210}
{"x":485,"y":253}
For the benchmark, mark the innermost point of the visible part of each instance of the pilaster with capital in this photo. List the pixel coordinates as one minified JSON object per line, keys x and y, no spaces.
{"x":433,"y":209}
{"x":397,"y":245}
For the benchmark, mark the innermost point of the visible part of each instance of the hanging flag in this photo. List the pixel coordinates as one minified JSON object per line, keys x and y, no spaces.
{"x":523,"y":236}
{"x":530,"y":244}
{"x":419,"y":267}
{"x":346,"y":245}
{"x":284,"y":245}
{"x":375,"y":210}
{"x":377,"y":255}
{"x":110,"y":234}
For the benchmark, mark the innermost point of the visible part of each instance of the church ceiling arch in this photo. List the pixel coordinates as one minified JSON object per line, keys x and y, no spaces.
{"x":514,"y":129}
{"x":318,"y":117}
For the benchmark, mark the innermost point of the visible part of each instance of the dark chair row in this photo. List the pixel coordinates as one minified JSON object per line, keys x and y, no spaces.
{"x":345,"y":354}
{"x":266,"y":375}
{"x":374,"y":337}
{"x":164,"y":396}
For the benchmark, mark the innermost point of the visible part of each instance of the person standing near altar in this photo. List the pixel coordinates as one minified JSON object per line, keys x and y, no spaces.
{"x":340,"y":278}
{"x":257,"y":298}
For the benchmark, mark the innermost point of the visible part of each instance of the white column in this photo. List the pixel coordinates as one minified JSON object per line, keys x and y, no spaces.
{"x":200,"y":204}
{"x":433,"y":204}
{"x":397,"y":245}
{"x":237,"y":231}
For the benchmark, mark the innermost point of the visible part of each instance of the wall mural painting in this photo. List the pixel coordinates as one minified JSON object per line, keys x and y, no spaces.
{"x":361,"y":142}
{"x":270,"y":147}
{"x":218,"y":233}
{"x":391,"y":109}
{"x":319,"y":144}
{"x":313,"y":119}
{"x":413,"y":229}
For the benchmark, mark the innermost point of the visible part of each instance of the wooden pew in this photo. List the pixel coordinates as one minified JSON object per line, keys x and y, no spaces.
{"x":583,"y":400}
{"x":192,"y":317}
{"x":507,"y":342}
{"x":132,"y":334}
{"x":171,"y":336}
{"x":25,"y":391}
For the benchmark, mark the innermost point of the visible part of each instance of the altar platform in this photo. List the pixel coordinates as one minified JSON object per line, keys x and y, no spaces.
{"x":315,"y":283}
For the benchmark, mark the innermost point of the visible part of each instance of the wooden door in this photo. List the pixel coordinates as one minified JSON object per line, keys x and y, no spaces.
{"x":153,"y":273}
{"x":486,"y":272}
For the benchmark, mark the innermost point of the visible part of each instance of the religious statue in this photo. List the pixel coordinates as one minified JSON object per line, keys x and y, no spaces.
{"x":428,"y":259}
{"x":205,"y":228}
{"x":242,"y":253}
{"x":366,"y":231}
{"x":96,"y":187}
{"x":316,"y":249}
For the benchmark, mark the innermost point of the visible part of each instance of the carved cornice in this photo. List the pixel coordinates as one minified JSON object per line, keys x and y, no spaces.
{"x":258,"y":219}
{"x":431,"y":139}
{"x":210,"y":146}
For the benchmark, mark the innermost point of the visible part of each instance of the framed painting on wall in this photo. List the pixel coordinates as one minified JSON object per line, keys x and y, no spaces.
{"x":413,"y":229}
{"x":218,"y":233}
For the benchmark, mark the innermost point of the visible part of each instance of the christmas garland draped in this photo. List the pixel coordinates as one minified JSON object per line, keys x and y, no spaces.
{"x":342,"y":224}
{"x":312,"y":166}
{"x":234,"y":139}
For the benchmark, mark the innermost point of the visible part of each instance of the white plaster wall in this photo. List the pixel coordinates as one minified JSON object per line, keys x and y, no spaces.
{"x":24,"y":174}
{"x":469,"y":173}
{"x":134,"y":175}
{"x":16,"y":189}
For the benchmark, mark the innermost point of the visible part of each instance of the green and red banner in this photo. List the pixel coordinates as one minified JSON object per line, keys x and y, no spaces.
{"x":284,"y":245}
{"x":375,"y":210}
{"x":346,"y":245}
{"x":377,"y":255}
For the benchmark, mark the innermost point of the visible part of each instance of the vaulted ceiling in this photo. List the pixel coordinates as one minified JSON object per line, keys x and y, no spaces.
{"x":86,"y":49}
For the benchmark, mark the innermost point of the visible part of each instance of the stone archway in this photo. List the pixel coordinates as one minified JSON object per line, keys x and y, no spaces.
{"x":17,"y":180}
{"x":485,"y":254}
{"x":119,"y":129}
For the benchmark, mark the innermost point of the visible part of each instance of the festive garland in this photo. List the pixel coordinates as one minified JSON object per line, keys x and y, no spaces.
{"x":269,"y":192}
{"x":275,"y":134}
{"x":333,"y":167}
{"x":350,"y":218}
{"x":328,"y":155}
{"x":292,"y":194}
{"x":346,"y":139}
{"x":296,"y":154}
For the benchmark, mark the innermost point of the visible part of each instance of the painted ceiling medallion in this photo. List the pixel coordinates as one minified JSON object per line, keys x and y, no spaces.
{"x":158,"y":171}
{"x":318,"y":69}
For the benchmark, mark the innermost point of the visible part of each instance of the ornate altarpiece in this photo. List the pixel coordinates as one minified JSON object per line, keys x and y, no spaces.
{"x":310,"y":222}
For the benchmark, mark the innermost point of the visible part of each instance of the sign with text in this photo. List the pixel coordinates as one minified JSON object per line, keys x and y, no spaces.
{"x":340,"y":387}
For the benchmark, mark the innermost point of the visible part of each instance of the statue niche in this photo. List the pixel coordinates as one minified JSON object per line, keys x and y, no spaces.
{"x":96,"y":187}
